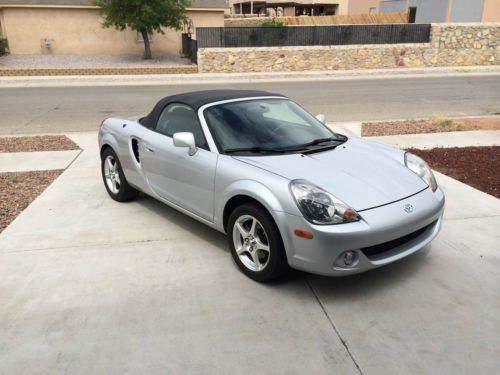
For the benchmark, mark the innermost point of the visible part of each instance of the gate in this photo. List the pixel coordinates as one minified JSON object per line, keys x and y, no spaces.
{"x":190,"y":47}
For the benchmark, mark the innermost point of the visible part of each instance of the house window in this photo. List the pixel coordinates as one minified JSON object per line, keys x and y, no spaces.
{"x":372,"y":10}
{"x":140,"y":39}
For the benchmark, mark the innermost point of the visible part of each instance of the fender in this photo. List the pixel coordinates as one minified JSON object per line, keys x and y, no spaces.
{"x":264,"y":196}
{"x":250,"y":188}
{"x":110,"y":140}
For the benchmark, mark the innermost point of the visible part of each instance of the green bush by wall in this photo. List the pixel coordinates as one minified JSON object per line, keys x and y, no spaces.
{"x":3,"y":46}
{"x":274,"y":23}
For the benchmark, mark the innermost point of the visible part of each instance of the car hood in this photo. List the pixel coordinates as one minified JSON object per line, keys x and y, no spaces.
{"x":361,"y":174}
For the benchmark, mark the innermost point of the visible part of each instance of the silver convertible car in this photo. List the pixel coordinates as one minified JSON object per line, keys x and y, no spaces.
{"x":286,"y":190}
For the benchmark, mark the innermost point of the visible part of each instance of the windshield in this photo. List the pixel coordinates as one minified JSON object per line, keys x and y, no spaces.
{"x":266,"y":125}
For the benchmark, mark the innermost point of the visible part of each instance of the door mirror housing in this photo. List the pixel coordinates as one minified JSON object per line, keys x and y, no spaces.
{"x":321,"y":118}
{"x":185,"y":140}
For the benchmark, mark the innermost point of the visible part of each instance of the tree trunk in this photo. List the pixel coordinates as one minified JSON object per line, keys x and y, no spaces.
{"x":147,"y":45}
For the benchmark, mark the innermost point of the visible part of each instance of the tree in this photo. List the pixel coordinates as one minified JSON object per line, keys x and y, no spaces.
{"x":144,"y":16}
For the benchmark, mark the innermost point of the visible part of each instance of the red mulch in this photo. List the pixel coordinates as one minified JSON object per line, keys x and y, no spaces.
{"x":18,"y":190}
{"x":478,"y":167}
{"x":37,"y":143}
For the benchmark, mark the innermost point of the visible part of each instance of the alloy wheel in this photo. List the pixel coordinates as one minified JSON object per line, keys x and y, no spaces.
{"x":251,"y":243}
{"x":112,"y":174}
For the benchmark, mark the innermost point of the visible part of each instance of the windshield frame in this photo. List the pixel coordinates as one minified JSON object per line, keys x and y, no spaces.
{"x":216,"y":147}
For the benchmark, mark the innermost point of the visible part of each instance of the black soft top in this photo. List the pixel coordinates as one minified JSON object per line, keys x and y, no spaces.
{"x":198,"y":99}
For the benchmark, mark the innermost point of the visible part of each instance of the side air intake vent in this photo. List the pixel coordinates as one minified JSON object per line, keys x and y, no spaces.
{"x":135,"y":149}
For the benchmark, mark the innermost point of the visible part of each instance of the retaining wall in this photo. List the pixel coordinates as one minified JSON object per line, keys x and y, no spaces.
{"x":450,"y":45}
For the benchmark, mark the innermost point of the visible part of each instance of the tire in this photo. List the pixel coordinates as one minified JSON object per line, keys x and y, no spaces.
{"x":251,"y":230}
{"x":116,"y":184}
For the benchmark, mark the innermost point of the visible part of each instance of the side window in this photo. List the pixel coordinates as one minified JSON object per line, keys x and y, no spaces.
{"x":177,"y":118}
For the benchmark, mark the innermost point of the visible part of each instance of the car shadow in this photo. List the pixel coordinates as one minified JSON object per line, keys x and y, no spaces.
{"x":187,"y":223}
{"x":379,"y":280}
{"x":340,"y":288}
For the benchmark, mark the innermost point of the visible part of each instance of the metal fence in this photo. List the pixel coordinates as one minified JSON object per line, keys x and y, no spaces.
{"x":190,"y":47}
{"x":216,"y":37}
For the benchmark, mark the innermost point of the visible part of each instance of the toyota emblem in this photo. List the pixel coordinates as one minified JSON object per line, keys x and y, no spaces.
{"x":408,"y":208}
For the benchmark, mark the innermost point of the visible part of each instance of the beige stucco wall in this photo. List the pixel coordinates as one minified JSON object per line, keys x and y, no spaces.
{"x":362,"y":6}
{"x":2,"y":25}
{"x":343,"y":6}
{"x":450,"y":45}
{"x":79,"y":31}
{"x":491,"y":11}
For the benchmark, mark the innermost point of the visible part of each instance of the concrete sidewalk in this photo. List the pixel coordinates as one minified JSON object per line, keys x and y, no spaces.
{"x":36,"y":161}
{"x":424,"y":141}
{"x":221,"y":78}
{"x":450,"y":139}
{"x":90,"y":285}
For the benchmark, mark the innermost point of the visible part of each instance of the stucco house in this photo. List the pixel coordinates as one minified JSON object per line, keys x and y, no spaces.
{"x":421,"y":11}
{"x":74,"y":27}
{"x":293,"y":8}
{"x":426,"y":11}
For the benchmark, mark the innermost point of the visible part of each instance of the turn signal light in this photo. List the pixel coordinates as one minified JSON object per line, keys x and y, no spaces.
{"x":303,"y":234}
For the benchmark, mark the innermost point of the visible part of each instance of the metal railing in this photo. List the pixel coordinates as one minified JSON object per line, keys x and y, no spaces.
{"x":220,"y":37}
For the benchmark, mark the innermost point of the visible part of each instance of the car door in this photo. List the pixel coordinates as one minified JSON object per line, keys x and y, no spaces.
{"x":187,"y":181}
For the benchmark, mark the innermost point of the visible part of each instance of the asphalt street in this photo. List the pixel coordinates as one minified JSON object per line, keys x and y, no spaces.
{"x":71,"y":109}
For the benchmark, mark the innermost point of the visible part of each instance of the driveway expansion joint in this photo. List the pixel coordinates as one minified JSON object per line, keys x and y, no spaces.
{"x":86,"y":245}
{"x":335,"y":329}
{"x":74,"y":159}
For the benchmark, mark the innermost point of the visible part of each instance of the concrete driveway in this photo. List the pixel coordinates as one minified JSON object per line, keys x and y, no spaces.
{"x":91,"y":286}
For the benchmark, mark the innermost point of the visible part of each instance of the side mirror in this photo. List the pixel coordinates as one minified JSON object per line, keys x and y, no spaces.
{"x":321,"y":118}
{"x":185,"y":140}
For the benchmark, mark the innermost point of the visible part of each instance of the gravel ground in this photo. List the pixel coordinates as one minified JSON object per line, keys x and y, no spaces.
{"x":89,"y":61}
{"x":476,"y":166}
{"x":18,"y":190}
{"x":37,"y":143}
{"x":434,"y":125}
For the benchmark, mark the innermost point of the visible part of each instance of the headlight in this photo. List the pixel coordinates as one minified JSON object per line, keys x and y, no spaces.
{"x":420,"y":167}
{"x":320,"y":207}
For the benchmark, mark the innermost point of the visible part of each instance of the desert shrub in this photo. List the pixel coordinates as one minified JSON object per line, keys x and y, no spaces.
{"x":448,"y":123}
{"x":274,"y":23}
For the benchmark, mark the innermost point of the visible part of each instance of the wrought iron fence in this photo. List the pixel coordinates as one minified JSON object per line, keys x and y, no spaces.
{"x":217,"y":37}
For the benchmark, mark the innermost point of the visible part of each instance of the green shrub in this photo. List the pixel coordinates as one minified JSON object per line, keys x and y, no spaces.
{"x":274,"y":23}
{"x":3,"y":46}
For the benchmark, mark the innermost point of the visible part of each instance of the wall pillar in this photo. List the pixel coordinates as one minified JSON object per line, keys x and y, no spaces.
{"x":448,"y":11}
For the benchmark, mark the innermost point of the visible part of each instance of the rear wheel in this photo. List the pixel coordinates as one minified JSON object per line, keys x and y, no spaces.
{"x":114,"y":180}
{"x":256,"y":244}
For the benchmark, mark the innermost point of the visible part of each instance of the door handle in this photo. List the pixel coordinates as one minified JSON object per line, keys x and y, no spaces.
{"x":149,"y":149}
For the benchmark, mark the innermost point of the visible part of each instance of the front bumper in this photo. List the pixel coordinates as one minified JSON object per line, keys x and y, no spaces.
{"x":384,"y":235}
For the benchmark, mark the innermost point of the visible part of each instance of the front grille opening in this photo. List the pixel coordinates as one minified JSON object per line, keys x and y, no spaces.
{"x":386,"y":246}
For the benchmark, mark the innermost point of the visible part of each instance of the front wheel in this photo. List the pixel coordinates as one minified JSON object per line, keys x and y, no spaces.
{"x":256,"y":244}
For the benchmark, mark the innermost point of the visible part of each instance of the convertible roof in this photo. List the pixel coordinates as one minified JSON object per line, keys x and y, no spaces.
{"x":198,"y":99}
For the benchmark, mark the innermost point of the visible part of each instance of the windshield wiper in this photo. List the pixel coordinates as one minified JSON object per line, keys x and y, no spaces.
{"x":321,"y":140}
{"x":314,"y":143}
{"x":282,"y":150}
{"x":253,"y":150}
